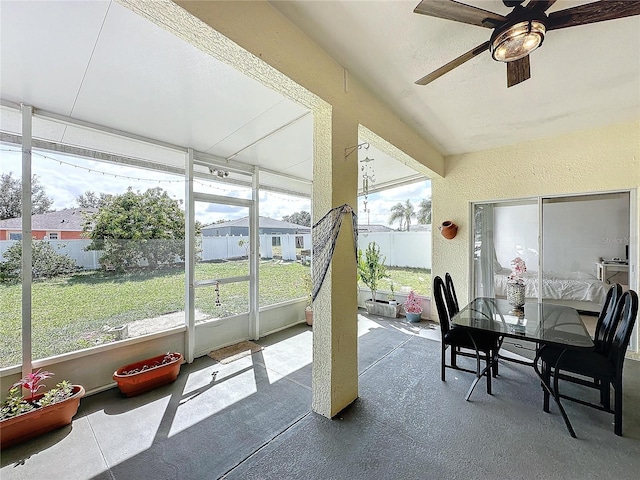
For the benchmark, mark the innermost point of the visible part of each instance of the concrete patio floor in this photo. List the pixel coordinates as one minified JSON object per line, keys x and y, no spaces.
{"x":252,"y":419}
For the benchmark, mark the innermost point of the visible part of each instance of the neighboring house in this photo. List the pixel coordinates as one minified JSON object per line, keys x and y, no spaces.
{"x":266,"y":225}
{"x":60,"y":225}
{"x":374,"y":228}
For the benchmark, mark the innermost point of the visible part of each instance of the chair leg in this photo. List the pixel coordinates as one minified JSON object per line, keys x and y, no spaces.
{"x":454,"y":364}
{"x":605,"y":395}
{"x":618,"y":406}
{"x":442,"y":362}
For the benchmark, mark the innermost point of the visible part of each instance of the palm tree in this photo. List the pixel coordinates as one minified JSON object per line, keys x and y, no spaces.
{"x":397,"y":214}
{"x":403,"y":213}
{"x":424,"y":211}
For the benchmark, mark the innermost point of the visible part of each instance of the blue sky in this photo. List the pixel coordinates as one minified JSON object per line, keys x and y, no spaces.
{"x":65,"y":178}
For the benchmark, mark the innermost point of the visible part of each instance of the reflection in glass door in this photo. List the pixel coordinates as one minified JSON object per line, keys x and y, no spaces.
{"x":581,"y":235}
{"x":504,"y":231}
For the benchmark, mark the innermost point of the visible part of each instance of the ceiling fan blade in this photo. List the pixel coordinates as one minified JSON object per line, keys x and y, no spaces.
{"x":540,"y":5}
{"x":593,"y":12}
{"x":518,"y":71}
{"x":453,"y":64}
{"x":459,"y":12}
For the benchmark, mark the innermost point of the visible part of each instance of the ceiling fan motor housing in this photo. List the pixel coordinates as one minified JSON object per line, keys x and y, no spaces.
{"x":522,"y":33}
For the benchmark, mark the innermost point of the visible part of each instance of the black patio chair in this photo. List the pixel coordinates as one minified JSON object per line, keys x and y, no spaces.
{"x":605,"y":327}
{"x":462,"y":338}
{"x":454,"y":307}
{"x":603,"y":365}
{"x":452,"y":298}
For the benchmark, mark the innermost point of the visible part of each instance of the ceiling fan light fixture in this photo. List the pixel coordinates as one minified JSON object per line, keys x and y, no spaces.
{"x":517,"y":40}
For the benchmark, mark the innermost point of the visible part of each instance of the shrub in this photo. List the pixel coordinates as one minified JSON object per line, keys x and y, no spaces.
{"x":46,"y":262}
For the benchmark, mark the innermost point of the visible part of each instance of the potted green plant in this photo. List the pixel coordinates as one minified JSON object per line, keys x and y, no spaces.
{"x":392,"y":294}
{"x":139,"y":377}
{"x":413,"y":307}
{"x":371,"y":270}
{"x":25,"y":418}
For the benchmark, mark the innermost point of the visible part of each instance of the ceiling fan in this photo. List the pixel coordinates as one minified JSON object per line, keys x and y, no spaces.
{"x":520,"y":32}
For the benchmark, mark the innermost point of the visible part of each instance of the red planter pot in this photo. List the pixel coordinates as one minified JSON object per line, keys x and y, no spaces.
{"x":154,"y":375}
{"x":31,"y":424}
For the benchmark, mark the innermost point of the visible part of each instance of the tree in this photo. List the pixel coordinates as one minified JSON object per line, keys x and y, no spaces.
{"x":11,"y":197}
{"x":134,"y":227}
{"x":90,"y":199}
{"x":372,"y":268}
{"x":424,"y":211}
{"x":299,"y":218}
{"x":403,"y":214}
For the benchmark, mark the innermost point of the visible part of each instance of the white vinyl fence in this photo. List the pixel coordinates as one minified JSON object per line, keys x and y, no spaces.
{"x":212,"y":248}
{"x":402,"y":249}
{"x":74,"y":248}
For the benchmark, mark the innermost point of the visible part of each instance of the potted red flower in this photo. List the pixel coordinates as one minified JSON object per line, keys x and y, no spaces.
{"x":413,"y":307}
{"x":139,"y":377}
{"x":25,"y":418}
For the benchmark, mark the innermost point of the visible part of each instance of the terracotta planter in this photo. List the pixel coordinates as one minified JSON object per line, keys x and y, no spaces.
{"x":151,"y":374}
{"x":31,"y":424}
{"x":448,"y":229}
{"x":309,"y":316}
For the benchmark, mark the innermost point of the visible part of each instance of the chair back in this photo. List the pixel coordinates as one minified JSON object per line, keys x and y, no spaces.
{"x":627,"y":311}
{"x":440,"y":294}
{"x":452,"y":299}
{"x":607,"y":320}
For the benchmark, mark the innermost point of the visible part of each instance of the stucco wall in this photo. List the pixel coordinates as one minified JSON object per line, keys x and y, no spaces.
{"x":590,"y":161}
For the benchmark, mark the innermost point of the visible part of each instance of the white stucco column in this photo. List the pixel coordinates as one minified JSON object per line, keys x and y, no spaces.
{"x":335,"y":310}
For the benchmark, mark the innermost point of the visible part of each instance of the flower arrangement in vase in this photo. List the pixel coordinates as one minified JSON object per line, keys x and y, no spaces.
{"x":515,"y":283}
{"x":413,"y":307}
{"x":24,"y":418}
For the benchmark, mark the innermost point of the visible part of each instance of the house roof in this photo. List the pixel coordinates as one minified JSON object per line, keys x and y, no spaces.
{"x":67,"y":220}
{"x":374,"y":228}
{"x":264,"y":222}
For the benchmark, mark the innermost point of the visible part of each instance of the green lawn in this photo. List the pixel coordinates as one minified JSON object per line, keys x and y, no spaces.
{"x":418,"y":279}
{"x":76,"y":312}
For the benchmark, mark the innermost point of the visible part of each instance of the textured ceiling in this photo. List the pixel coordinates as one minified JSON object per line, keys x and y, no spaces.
{"x":99,"y":62}
{"x":581,"y":77}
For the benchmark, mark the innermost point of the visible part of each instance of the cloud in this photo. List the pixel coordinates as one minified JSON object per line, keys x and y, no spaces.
{"x":65,"y":178}
{"x":379,"y":204}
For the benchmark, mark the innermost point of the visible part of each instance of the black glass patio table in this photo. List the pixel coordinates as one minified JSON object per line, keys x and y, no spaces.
{"x":542,"y":323}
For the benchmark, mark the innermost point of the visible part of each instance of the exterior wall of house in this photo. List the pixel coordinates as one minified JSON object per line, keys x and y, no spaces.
{"x":40,"y":234}
{"x":585,"y":162}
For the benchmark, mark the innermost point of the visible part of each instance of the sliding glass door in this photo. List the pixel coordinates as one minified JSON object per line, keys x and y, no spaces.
{"x":504,"y":231}
{"x":573,"y":247}
{"x":585,"y":241}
